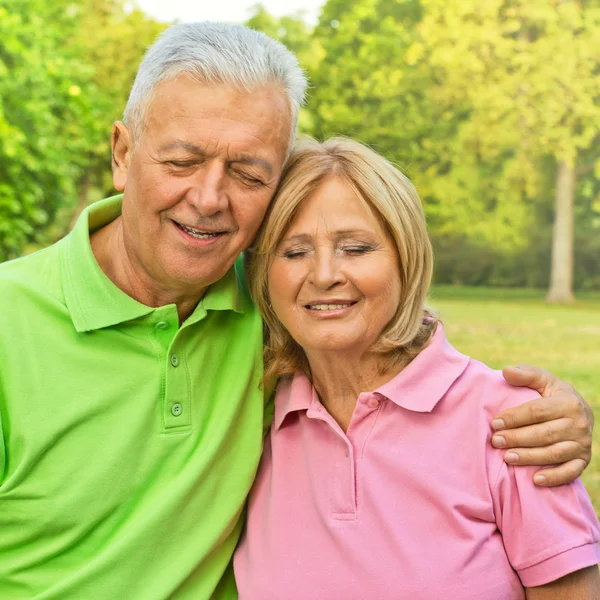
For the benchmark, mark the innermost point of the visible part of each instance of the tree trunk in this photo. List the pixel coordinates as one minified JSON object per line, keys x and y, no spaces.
{"x":561,"y":276}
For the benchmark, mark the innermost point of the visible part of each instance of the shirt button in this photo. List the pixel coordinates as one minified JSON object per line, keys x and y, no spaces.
{"x":373,"y":403}
{"x":176,"y":409}
{"x":175,"y":360}
{"x":162,"y":325}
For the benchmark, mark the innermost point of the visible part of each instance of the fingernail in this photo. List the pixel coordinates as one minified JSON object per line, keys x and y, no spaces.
{"x":539,"y":478}
{"x":511,"y":457}
{"x":498,"y":424}
{"x":499,"y":441}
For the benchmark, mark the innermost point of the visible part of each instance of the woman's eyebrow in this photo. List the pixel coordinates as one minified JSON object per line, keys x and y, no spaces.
{"x":334,"y":233}
{"x":299,"y":237}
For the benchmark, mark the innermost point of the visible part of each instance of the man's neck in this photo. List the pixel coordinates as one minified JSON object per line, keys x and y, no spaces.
{"x":111,"y":253}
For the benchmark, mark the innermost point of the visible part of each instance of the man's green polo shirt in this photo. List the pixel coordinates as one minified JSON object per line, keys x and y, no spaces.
{"x":128,"y":444}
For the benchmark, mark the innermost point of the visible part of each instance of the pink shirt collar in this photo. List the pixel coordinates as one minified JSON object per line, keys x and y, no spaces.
{"x":414,"y":388}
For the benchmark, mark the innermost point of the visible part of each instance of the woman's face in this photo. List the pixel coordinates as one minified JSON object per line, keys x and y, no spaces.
{"x":334,"y":282}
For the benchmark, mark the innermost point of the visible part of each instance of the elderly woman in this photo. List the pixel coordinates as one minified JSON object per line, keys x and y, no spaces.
{"x":357,"y":495}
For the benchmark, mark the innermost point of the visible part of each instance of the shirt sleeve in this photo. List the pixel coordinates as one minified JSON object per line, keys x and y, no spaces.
{"x":547,"y":532}
{"x":2,"y":443}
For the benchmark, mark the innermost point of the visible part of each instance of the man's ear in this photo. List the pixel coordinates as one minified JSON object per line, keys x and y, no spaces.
{"x":121,"y":145}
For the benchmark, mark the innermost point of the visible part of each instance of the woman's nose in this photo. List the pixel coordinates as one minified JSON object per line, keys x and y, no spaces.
{"x":326,"y":271}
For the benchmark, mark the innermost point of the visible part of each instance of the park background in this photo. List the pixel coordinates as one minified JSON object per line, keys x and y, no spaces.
{"x":492,"y":107}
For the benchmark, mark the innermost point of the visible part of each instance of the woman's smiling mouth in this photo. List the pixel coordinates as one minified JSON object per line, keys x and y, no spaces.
{"x":331,"y":308}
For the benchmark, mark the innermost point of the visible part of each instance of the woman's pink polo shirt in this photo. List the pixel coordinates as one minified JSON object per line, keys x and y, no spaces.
{"x":413,"y":502}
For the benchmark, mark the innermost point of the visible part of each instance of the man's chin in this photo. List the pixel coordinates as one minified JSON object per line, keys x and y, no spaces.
{"x":198,"y":278}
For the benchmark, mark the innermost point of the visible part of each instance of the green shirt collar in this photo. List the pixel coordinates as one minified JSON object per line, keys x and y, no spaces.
{"x":94,"y":301}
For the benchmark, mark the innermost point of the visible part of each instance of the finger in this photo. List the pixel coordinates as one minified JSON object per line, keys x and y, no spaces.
{"x":542,"y":434}
{"x":556,"y":454}
{"x":559,"y":475}
{"x":539,"y":410}
{"x":528,"y":376}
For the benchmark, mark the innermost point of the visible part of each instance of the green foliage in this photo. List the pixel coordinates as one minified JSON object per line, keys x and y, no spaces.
{"x":380,"y":82}
{"x":113,"y":40}
{"x":297,"y":36}
{"x":528,"y":72}
{"x":476,"y":101}
{"x":65,"y":71}
{"x":43,"y":102}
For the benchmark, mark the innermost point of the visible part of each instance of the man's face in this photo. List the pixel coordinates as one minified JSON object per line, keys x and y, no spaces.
{"x":199,"y":180}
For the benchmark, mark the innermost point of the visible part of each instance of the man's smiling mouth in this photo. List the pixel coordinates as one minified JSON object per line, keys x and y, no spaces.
{"x":199,"y":234}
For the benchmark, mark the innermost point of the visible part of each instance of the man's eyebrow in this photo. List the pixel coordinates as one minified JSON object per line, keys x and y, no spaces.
{"x":181,"y":145}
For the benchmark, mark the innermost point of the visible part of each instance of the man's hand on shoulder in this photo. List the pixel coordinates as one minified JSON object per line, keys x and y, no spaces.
{"x":555,"y":429}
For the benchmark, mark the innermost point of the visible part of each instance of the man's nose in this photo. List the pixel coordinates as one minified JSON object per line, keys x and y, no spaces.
{"x":207,"y":193}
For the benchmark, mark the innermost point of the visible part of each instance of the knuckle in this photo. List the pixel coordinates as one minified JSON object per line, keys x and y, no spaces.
{"x":582,"y":432}
{"x":586,"y":442}
{"x":589,"y":413}
{"x":538,"y":411}
{"x":548,"y":434}
{"x":577,"y":407}
{"x":574,"y":469}
{"x":570,"y":471}
{"x":556,"y":455}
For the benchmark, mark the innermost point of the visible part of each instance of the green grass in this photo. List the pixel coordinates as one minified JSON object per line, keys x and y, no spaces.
{"x":509,"y":326}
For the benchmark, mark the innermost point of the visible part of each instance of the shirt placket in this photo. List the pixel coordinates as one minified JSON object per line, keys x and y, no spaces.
{"x":176,"y":404}
{"x":345,"y":453}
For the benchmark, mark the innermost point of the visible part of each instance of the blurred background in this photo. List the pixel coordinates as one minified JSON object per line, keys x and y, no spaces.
{"x":492,"y":107}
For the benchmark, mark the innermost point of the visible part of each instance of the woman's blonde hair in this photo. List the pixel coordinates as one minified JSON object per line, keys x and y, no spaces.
{"x":393,"y":198}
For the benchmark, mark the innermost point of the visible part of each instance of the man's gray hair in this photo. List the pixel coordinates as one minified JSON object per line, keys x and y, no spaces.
{"x":216,"y":53}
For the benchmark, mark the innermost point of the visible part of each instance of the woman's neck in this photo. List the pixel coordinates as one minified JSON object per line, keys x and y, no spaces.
{"x":340,"y":378}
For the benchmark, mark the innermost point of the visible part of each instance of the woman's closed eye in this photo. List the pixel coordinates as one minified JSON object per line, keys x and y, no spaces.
{"x":293,"y":253}
{"x":356,"y":249}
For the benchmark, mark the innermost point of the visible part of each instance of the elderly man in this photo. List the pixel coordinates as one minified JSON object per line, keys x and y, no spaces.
{"x":132,"y":419}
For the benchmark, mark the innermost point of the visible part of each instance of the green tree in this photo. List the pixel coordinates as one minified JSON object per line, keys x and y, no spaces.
{"x":43,"y":103}
{"x":528,"y":71}
{"x":297,"y":36}
{"x":65,"y":71}
{"x":378,"y":83}
{"x":113,"y":40}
